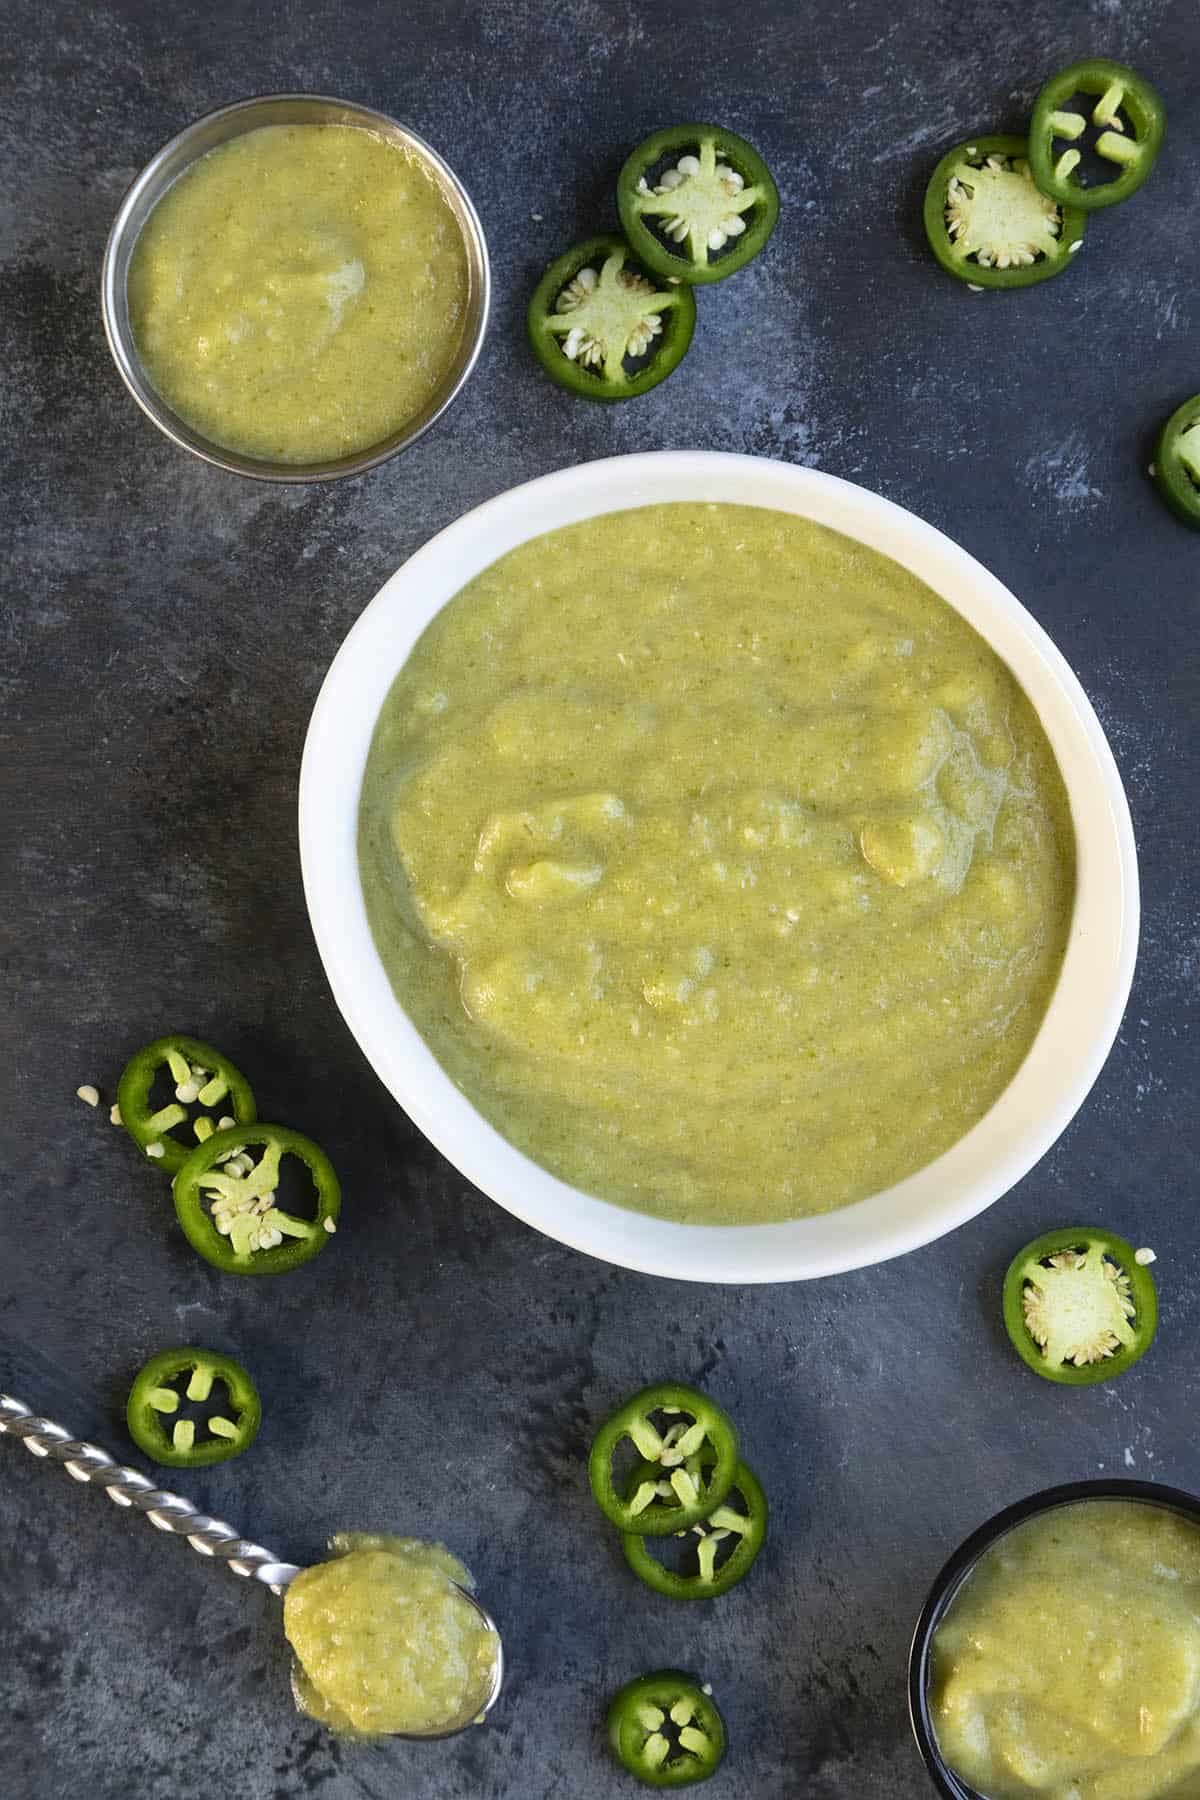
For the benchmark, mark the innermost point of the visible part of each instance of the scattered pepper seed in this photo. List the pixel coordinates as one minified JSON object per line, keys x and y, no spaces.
{"x":114,"y":1115}
{"x":329,"y":1225}
{"x":1144,"y":1256}
{"x":155,"y":1150}
{"x":88,"y":1094}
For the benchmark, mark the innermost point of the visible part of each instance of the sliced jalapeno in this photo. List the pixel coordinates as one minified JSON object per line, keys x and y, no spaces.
{"x":988,"y":224}
{"x":226,"y":1399}
{"x":208,"y":1089}
{"x":747,"y":1522}
{"x":1177,"y":461}
{"x":225,"y":1199}
{"x":697,"y":202}
{"x":1132,"y":120}
{"x":1078,"y":1305}
{"x":687,"y":1422}
{"x":601,"y":326}
{"x":666,"y":1730}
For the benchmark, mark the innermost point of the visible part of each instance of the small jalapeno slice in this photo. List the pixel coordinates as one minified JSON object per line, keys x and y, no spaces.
{"x":688,"y":1421}
{"x":697,"y":202}
{"x":1177,"y":461}
{"x":1131,"y":118}
{"x":665,"y":1729}
{"x":225,"y":1398}
{"x":747,"y":1522}
{"x":226,"y":1200}
{"x":988,"y":224}
{"x":207,"y":1089}
{"x":602,"y":326}
{"x":1079,"y":1306}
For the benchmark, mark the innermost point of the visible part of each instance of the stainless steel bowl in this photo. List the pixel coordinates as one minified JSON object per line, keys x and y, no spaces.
{"x":167,"y":166}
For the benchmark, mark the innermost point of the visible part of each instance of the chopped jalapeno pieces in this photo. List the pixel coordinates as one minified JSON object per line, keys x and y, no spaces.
{"x":601,"y":326}
{"x":747,"y":1524}
{"x":666,"y":1730}
{"x":157,"y":1396}
{"x":1177,"y":461}
{"x":1131,"y":118}
{"x":988,"y":224}
{"x":1078,"y":1305}
{"x":201,"y":1078}
{"x":226,"y":1200}
{"x":697,"y":202}
{"x":687,"y":1423}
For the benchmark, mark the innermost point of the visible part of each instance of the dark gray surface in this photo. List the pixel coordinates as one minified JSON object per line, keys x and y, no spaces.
{"x":166,"y":628}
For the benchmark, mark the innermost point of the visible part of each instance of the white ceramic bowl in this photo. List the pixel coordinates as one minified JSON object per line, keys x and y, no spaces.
{"x":1083,"y":1016}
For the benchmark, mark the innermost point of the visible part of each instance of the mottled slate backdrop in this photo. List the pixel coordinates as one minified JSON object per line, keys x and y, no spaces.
{"x":165,"y":631}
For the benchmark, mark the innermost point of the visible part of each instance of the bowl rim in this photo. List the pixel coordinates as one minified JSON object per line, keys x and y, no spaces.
{"x":135,"y":208}
{"x":1085,"y":1010}
{"x":955,"y":1570}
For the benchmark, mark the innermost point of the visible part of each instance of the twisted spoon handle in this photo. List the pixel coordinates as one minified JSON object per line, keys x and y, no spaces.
{"x":125,"y":1487}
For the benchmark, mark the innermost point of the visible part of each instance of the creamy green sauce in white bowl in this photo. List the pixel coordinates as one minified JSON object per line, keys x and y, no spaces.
{"x":1084,"y":1009}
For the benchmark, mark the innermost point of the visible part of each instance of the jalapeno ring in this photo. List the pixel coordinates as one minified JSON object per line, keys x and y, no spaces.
{"x":153,"y":1400}
{"x":225,"y":1201}
{"x":1078,"y":1305}
{"x":202,"y":1076}
{"x":669,"y":1451}
{"x":1118,"y":90}
{"x":987,"y":223}
{"x":595,"y":310}
{"x":1177,"y":462}
{"x":709,"y":1581}
{"x":651,"y":1711}
{"x":717,"y":200}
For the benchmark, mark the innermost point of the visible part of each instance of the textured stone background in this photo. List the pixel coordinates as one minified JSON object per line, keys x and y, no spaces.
{"x":165,"y":629}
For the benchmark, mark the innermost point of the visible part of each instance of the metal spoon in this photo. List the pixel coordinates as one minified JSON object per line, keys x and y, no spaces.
{"x":210,"y":1537}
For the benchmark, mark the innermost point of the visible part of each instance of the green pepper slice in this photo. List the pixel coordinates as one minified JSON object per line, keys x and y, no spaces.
{"x":695,"y":1421}
{"x":1078,"y":1305}
{"x":601,"y":326}
{"x":1118,"y":90}
{"x":749,"y":1526}
{"x":225,"y":1201}
{"x":988,"y":224}
{"x":715,"y":199}
{"x":202,"y":1078}
{"x":1177,"y":461}
{"x":228,"y":1423}
{"x":666,"y":1730}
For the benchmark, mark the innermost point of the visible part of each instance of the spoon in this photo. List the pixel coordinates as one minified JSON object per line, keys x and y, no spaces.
{"x":210,"y":1537}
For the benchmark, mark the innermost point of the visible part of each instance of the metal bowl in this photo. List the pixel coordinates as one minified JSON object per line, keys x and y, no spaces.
{"x":171,"y":162}
{"x":962,"y":1564}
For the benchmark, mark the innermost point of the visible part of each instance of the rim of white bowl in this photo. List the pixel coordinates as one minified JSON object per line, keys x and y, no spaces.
{"x":1081,"y":1021}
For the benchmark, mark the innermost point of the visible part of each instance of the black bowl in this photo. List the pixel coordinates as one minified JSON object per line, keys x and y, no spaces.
{"x":961,"y":1564}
